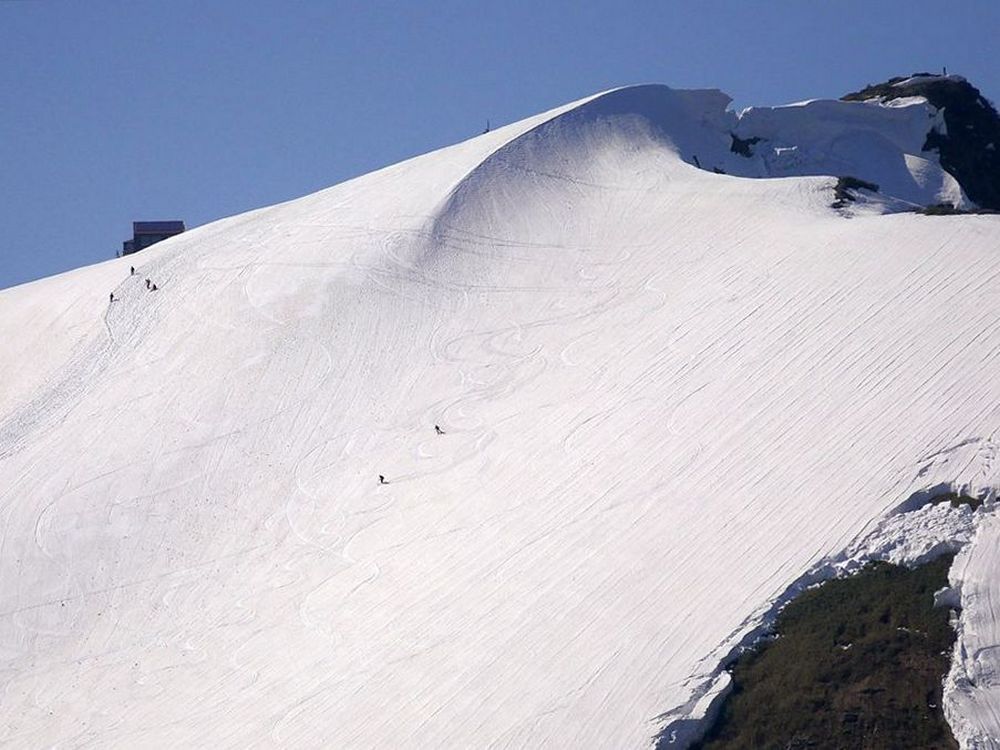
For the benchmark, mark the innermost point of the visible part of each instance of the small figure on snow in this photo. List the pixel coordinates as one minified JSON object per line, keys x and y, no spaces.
{"x":147,"y":283}
{"x":153,"y":288}
{"x":438,"y":430}
{"x":112,"y":297}
{"x":131,"y":270}
{"x":381,"y":479}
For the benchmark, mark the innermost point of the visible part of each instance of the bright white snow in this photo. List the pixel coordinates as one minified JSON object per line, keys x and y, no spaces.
{"x":667,"y":395}
{"x":972,"y":692}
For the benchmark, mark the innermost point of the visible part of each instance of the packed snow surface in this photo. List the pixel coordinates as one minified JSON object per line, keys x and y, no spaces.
{"x":666,"y":396}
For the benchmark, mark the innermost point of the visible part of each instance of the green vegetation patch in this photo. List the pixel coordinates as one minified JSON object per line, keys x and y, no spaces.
{"x":857,"y":662}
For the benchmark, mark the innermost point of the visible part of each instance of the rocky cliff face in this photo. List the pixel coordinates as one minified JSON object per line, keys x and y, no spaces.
{"x":969,"y":145}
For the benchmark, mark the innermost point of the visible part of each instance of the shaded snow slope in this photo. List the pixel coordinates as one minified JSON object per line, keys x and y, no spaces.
{"x":879,"y":142}
{"x":666,"y":395}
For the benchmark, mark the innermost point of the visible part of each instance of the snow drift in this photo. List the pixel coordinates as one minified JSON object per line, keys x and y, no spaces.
{"x":667,"y":394}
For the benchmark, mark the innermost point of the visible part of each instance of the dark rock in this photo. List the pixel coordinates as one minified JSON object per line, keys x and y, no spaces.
{"x":743,"y":146}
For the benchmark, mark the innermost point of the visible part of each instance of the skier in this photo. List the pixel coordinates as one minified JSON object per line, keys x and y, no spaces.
{"x":381,"y":479}
{"x":131,"y":270}
{"x":153,"y":288}
{"x":147,"y":283}
{"x":438,"y":430}
{"x":112,"y":296}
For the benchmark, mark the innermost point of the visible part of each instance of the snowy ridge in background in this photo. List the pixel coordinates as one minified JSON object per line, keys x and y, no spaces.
{"x":878,"y":142}
{"x":668,"y":396}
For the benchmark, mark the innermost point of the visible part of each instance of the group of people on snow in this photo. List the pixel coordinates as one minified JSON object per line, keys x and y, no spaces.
{"x":149,"y":284}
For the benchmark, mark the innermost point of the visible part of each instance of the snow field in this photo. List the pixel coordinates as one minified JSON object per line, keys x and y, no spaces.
{"x":667,"y":395}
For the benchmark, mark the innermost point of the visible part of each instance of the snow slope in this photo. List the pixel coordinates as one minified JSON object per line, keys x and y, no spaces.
{"x":667,"y":396}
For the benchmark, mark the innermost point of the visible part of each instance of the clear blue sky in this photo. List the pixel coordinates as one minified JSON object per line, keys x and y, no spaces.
{"x":199,"y":109}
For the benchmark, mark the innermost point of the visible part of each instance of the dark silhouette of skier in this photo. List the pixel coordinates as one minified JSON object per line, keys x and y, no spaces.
{"x":153,"y":288}
{"x":147,"y":283}
{"x":131,"y":270}
{"x":438,"y":430}
{"x":112,"y":298}
{"x":381,"y":479}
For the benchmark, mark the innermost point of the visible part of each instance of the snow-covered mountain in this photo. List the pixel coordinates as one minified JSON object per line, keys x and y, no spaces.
{"x":967,"y":137}
{"x":669,"y":398}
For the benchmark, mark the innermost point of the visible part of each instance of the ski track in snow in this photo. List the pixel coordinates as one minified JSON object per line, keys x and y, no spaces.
{"x":670,"y":399}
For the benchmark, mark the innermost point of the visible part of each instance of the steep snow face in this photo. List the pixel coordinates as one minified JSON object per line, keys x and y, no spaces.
{"x":877,"y":142}
{"x":666,"y":395}
{"x":972,"y":691}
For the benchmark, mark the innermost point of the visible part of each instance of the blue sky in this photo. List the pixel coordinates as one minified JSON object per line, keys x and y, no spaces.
{"x":134,"y":109}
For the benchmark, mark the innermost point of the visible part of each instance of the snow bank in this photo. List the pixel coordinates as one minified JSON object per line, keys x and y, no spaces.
{"x":972,"y":690}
